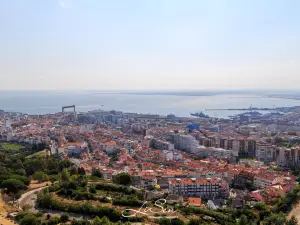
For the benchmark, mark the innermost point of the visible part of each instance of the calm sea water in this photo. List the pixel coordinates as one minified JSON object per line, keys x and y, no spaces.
{"x":42,"y":103}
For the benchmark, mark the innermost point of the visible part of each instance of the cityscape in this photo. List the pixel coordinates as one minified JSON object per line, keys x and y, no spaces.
{"x":149,"y":112}
{"x":199,"y":165}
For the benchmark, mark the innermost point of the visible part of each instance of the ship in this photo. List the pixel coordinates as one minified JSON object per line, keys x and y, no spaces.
{"x":199,"y":114}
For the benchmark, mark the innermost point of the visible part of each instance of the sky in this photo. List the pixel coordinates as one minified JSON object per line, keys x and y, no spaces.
{"x":149,"y":44}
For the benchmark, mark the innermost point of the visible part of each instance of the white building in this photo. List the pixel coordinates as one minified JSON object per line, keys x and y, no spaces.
{"x":161,"y":144}
{"x":7,"y":123}
{"x":265,"y":152}
{"x":9,"y":136}
{"x":186,"y":143}
{"x":170,"y":155}
{"x":215,"y":152}
{"x":109,"y":147}
{"x":87,"y":128}
{"x":286,"y":157}
{"x":262,"y":181}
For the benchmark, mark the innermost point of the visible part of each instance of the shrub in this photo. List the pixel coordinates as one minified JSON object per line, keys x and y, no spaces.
{"x":45,"y":201}
{"x":115,"y":188}
{"x":53,"y":221}
{"x":30,"y":220}
{"x":97,"y":173}
{"x":128,"y":200}
{"x":122,"y":178}
{"x":21,"y":215}
{"x":64,"y":218}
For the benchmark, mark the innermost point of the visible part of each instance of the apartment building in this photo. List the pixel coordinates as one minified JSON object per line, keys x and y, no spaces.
{"x":170,"y":155}
{"x":147,"y":181}
{"x":76,"y":148}
{"x":109,"y":147}
{"x":215,"y":152}
{"x":204,"y":188}
{"x":264,"y":180}
{"x":265,"y":152}
{"x":244,"y":179}
{"x":185,"y":142}
{"x":243,"y":145}
{"x":161,"y":144}
{"x":286,"y":157}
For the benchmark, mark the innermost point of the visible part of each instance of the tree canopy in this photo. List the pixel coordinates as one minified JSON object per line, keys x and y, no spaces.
{"x":122,"y":178}
{"x":13,"y":185}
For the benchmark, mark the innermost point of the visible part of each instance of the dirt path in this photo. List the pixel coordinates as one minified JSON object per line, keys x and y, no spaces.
{"x":295,"y":212}
{"x":3,"y":214}
{"x":29,"y":198}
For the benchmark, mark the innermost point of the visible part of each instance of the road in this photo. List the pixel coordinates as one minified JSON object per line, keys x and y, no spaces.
{"x":29,"y":198}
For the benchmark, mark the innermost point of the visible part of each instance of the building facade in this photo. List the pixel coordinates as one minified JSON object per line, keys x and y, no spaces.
{"x":204,"y":188}
{"x":186,"y":143}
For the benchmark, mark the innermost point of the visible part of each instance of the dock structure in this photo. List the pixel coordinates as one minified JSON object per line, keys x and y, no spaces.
{"x":69,"y":107}
{"x":247,"y":109}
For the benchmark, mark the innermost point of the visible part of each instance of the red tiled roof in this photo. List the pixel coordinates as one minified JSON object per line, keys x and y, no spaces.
{"x":194,"y":201}
{"x":257,"y":196}
{"x":197,"y":181}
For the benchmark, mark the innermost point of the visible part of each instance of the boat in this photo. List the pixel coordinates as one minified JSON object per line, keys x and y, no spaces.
{"x":199,"y":114}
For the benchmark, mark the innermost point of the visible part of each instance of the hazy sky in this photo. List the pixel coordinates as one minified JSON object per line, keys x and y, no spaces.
{"x":149,"y":44}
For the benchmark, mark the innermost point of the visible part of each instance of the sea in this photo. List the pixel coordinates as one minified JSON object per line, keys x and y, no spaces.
{"x":180,"y":105}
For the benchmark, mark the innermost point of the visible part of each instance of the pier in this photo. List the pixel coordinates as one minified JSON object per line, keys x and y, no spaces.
{"x":248,"y":109}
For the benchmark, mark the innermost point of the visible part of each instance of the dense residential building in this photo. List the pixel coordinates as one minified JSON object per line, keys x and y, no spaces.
{"x":160,"y":144}
{"x":283,"y":156}
{"x":264,"y":180}
{"x":215,"y":152}
{"x":245,"y":146}
{"x":159,"y":151}
{"x":205,"y":188}
{"x":148,"y":181}
{"x":244,"y":179}
{"x":186,"y":143}
{"x":266,"y":152}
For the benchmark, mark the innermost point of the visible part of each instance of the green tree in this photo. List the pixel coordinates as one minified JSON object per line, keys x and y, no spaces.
{"x":21,"y":172}
{"x":164,"y":221}
{"x":53,"y":221}
{"x":177,"y":221}
{"x":33,"y":165}
{"x":122,"y":178}
{"x":97,"y":173}
{"x":93,"y":189}
{"x":275,"y":219}
{"x":292,"y":221}
{"x":243,"y":220}
{"x":24,"y":179}
{"x":64,"y":218}
{"x":96,"y":221}
{"x":65,"y":176}
{"x":196,"y":222}
{"x":13,"y":186}
{"x":75,"y":222}
{"x":260,"y":206}
{"x":21,"y":215}
{"x":104,"y":221}
{"x":40,"y":176}
{"x":81,"y":171}
{"x":74,"y":171}
{"x":30,"y":220}
{"x":81,"y":222}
